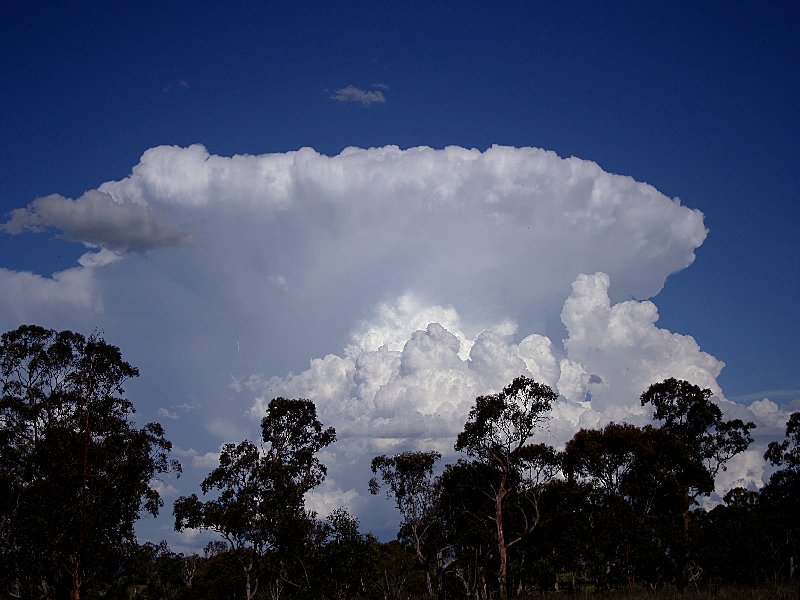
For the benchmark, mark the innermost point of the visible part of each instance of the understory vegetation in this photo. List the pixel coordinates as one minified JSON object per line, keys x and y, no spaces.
{"x":615,"y":513}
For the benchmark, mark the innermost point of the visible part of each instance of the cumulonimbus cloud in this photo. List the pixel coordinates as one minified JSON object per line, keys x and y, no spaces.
{"x":385,"y":395}
{"x":413,"y":280}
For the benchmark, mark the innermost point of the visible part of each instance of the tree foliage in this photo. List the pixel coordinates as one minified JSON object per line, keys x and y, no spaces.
{"x":498,"y":433}
{"x":704,"y":443}
{"x":260,"y":489}
{"x":708,"y":442}
{"x":409,"y":479}
{"x":75,"y":471}
{"x":618,"y":508}
{"x":780,"y":498}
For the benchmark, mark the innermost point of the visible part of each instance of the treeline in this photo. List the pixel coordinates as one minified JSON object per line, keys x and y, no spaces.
{"x":617,"y":508}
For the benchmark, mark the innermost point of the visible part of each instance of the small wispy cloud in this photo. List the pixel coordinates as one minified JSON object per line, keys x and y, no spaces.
{"x":174,"y":85}
{"x":166,"y":413}
{"x":365,"y":97}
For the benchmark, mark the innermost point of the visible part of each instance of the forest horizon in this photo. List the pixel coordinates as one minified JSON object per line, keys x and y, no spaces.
{"x":616,"y":508}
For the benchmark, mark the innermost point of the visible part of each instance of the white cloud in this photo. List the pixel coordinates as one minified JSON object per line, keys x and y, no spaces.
{"x":164,"y":489}
{"x":350,"y":259}
{"x":327,"y":498}
{"x":197,"y":460}
{"x":166,"y":413}
{"x":364,"y":97}
{"x":175,"y":85}
{"x":622,"y":345}
{"x":383,"y":400}
{"x":62,"y":298}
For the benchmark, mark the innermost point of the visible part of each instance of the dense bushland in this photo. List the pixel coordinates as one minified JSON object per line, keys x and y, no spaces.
{"x":616,"y":512}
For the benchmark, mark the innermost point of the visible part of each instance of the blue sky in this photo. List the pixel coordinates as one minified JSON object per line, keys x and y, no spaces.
{"x":699,"y":100}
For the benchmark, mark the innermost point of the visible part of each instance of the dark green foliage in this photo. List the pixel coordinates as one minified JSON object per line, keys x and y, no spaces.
{"x":704,"y":443}
{"x":707,"y":441}
{"x":497,"y":434}
{"x":780,"y":499}
{"x":615,"y":513}
{"x":345,"y":561}
{"x":75,"y":472}
{"x":466,"y":516}
{"x":623,"y":484}
{"x":786,"y":454}
{"x":259,"y":506}
{"x":409,"y":480}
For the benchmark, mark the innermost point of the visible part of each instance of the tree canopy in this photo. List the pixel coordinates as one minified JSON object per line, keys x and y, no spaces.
{"x":261,"y":490}
{"x":497,"y":434}
{"x":76,"y":472}
{"x":618,"y":508}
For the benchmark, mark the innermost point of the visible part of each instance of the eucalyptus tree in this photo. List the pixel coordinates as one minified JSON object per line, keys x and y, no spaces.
{"x":498,"y":434}
{"x":780,"y":498}
{"x":628,"y":479}
{"x":75,"y":471}
{"x":409,"y":479}
{"x":786,"y":454}
{"x":260,"y":489}
{"x":704,"y":442}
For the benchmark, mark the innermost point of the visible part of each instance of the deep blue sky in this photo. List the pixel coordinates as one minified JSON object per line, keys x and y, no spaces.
{"x":701,"y":100}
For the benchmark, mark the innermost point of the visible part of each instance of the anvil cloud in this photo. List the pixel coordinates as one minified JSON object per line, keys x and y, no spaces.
{"x":391,"y":286}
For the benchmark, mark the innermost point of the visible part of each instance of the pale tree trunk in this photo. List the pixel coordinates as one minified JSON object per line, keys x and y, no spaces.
{"x":421,"y":557}
{"x":501,"y":541}
{"x":250,"y":590}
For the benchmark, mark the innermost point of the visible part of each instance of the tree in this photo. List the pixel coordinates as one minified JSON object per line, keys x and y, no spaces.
{"x":343,"y":562}
{"x":497,"y":434}
{"x":260,"y":505}
{"x":626,"y":477}
{"x":602,"y":464}
{"x":75,"y":471}
{"x":786,"y":454}
{"x":461,"y":504}
{"x":780,"y":498}
{"x":706,"y":442}
{"x":409,"y":479}
{"x":686,"y":411}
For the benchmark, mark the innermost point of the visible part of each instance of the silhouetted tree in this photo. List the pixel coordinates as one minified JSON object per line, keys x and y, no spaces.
{"x":780,"y":498}
{"x":75,"y":471}
{"x":705,"y":442}
{"x":466,"y":516}
{"x":409,"y":480}
{"x":498,"y":433}
{"x":260,"y":505}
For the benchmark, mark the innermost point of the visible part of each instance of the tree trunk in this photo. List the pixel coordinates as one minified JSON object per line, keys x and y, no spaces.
{"x":684,"y":568}
{"x":75,"y":575}
{"x":250,"y":590}
{"x":501,"y":541}
{"x":247,"y":584}
{"x":421,"y":558}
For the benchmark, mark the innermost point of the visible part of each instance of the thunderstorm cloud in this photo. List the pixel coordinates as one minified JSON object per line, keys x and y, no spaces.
{"x":389,"y":286}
